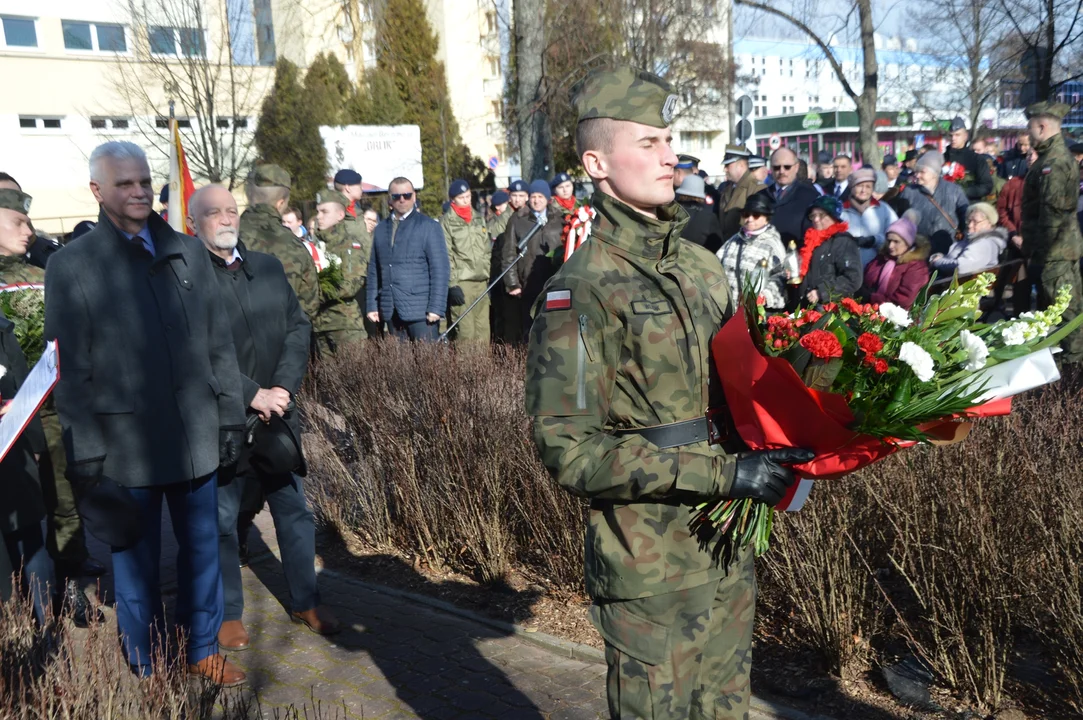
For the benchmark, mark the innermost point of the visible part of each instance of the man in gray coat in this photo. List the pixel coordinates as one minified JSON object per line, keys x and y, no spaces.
{"x":150,"y":397}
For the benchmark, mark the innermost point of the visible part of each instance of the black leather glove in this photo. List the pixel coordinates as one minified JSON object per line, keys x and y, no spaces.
{"x":230,"y":441}
{"x":866,"y":241}
{"x":455,"y":296}
{"x":762,"y":476}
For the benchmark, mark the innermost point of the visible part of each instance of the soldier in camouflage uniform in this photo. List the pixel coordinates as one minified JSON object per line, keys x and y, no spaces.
{"x":345,"y":238}
{"x":268,"y":191}
{"x":619,"y":387}
{"x":470,"y":252}
{"x":1052,"y":242}
{"x":65,"y":539}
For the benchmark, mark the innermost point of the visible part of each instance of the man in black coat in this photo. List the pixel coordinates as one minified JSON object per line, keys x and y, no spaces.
{"x":980,"y":183}
{"x":792,"y":198}
{"x":149,"y":396}
{"x":703,"y":227}
{"x":271,"y":334}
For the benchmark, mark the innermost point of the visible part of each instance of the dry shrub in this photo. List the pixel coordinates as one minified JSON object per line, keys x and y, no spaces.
{"x":432,"y":453}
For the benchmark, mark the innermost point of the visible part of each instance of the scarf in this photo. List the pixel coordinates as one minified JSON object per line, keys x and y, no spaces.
{"x":815,"y":238}
{"x":754,"y":233}
{"x":466,"y":213}
{"x":885,"y":274}
{"x":568,"y":204}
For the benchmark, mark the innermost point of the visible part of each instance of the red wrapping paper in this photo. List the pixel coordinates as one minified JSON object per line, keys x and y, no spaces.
{"x":772,"y":408}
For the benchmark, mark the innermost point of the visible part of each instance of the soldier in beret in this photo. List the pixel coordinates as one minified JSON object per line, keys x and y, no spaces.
{"x":619,"y":374}
{"x":268,"y":191}
{"x":347,"y":240}
{"x":1052,"y":243}
{"x":348,"y":182}
{"x":65,"y":539}
{"x":563,"y":190}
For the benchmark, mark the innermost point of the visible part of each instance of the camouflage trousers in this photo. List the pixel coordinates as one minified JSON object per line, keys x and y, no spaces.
{"x":685,"y":654}
{"x":329,"y":341}
{"x":1054,"y":274}
{"x":475,"y":326}
{"x":64,"y":540}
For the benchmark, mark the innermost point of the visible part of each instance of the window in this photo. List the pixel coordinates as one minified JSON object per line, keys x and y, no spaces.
{"x":104,"y":123}
{"x":40,"y":123}
{"x":494,"y":66}
{"x":756,"y":111}
{"x":222,"y":122}
{"x":163,"y":122}
{"x":25,"y":122}
{"x":177,"y":41}
{"x":490,"y":22}
{"x":497,"y":111}
{"x":93,"y":37}
{"x":490,"y":129}
{"x":240,"y":122}
{"x":20,"y":32}
{"x":265,"y":32}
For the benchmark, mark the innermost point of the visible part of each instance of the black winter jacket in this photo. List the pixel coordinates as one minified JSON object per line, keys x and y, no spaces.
{"x":835,"y":270}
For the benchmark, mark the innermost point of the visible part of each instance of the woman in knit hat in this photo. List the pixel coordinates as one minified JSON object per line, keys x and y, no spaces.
{"x":830,"y":261}
{"x":900,"y":271}
{"x":940,"y":204}
{"x":979,"y":250}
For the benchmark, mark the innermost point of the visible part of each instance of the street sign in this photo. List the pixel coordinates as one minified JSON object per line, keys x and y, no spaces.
{"x":744,"y":131}
{"x":744,"y":106}
{"x":493,"y":162}
{"x":775,"y":142}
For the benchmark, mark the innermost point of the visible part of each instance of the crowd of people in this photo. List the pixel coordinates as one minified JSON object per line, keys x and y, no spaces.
{"x":182,"y":355}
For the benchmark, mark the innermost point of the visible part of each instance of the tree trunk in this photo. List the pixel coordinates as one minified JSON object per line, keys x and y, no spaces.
{"x":866,"y":101}
{"x":535,"y":142}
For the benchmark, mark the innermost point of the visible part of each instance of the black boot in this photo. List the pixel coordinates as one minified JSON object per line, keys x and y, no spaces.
{"x":76,"y":602}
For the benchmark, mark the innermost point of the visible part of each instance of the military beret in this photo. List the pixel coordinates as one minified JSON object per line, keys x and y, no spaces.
{"x":270,"y":175}
{"x":559,"y":179}
{"x":517,"y":186}
{"x":163,"y":196}
{"x":499,"y":198}
{"x":824,"y":157}
{"x":348,"y":177}
{"x":624,"y":93}
{"x":1050,"y":109}
{"x":957,"y":123}
{"x":15,"y":200}
{"x":457,"y":188}
{"x":889,"y":160}
{"x":327,"y":195}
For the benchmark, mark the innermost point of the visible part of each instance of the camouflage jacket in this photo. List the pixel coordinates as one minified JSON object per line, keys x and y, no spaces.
{"x":469,"y":248}
{"x":1048,"y":223}
{"x":262,"y":231}
{"x":498,"y":223}
{"x":621,"y":339}
{"x":15,"y":269}
{"x":349,"y":246}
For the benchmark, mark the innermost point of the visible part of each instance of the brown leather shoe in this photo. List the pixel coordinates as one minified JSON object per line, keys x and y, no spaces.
{"x":232,"y":636}
{"x":218,"y":670}
{"x":319,"y":620}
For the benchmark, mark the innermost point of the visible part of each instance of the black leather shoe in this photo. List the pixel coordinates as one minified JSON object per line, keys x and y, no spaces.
{"x":78,"y":604}
{"x":92,"y":568}
{"x":242,"y":553}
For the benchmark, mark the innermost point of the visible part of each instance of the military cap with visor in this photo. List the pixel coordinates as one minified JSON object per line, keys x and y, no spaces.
{"x":17,"y":200}
{"x":757,"y":161}
{"x":687,"y":162}
{"x":1047,"y":109}
{"x":326,"y":195}
{"x":270,"y":175}
{"x":624,"y":93}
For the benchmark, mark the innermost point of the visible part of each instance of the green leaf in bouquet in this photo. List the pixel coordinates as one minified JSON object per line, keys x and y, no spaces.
{"x":331,"y":280}
{"x":26,"y":308}
{"x":820,"y":374}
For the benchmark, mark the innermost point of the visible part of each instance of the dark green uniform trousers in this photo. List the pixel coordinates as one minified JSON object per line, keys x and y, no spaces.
{"x":475,"y":326}
{"x":1053,"y":275}
{"x":330,"y":341}
{"x":681,"y":655}
{"x":65,"y":540}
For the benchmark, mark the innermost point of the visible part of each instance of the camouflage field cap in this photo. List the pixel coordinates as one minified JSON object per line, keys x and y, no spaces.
{"x":270,"y":175}
{"x":327,"y":195}
{"x":15,"y":200}
{"x":1051,"y":109}
{"x":624,"y":93}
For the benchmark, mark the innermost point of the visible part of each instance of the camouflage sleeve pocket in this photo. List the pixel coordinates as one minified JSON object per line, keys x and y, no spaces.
{"x":564,"y":365}
{"x":633,"y":635}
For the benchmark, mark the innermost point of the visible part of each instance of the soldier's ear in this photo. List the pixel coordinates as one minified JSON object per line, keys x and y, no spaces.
{"x":595,"y":165}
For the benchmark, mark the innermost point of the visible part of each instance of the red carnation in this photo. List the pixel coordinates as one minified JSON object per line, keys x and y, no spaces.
{"x":811,"y":316}
{"x":831,"y":307}
{"x":852,"y":305}
{"x":822,"y":344}
{"x":761,"y":300}
{"x":870,"y":343}
{"x":880,"y":367}
{"x":778,"y":322}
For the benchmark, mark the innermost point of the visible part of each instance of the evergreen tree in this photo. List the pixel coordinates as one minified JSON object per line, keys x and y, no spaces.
{"x":376,"y":102}
{"x":288,"y":135}
{"x":408,"y":56}
{"x":327,"y":90}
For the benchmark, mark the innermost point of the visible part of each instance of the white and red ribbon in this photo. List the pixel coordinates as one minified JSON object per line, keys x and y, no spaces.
{"x":577,"y":229}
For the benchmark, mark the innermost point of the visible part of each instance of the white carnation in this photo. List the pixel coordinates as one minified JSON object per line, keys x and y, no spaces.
{"x":896,"y":315}
{"x":976,"y":349}
{"x":919,"y":361}
{"x":1014,"y":334}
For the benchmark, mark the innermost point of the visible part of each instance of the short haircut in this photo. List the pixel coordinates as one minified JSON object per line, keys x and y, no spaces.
{"x":928,"y":146}
{"x":843,"y":156}
{"x":114,"y":150}
{"x":295,"y":211}
{"x":784,"y":149}
{"x":595,"y":134}
{"x":196,"y":200}
{"x":802,"y":169}
{"x":4,"y":177}
{"x":265,"y":195}
{"x":401,"y":181}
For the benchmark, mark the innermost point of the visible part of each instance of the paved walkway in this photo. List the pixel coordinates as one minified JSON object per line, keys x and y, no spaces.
{"x":395,"y":658}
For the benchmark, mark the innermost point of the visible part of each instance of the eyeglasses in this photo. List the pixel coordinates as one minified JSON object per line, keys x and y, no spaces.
{"x":746,"y":215}
{"x":777,"y":168}
{"x":402,"y":196}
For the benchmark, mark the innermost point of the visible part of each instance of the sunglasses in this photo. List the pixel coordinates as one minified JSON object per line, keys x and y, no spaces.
{"x":777,"y":168}
{"x":752,"y":215}
{"x":402,"y":196}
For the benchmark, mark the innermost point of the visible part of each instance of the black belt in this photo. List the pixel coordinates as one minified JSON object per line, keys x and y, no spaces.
{"x":712,"y":427}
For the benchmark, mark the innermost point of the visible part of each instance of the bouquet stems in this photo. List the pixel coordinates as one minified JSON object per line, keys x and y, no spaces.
{"x":750,"y":521}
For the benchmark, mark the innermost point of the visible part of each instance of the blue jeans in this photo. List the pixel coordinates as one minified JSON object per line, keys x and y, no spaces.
{"x":296,"y":532}
{"x":26,"y":548}
{"x":193,"y":509}
{"x":415,"y":330}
